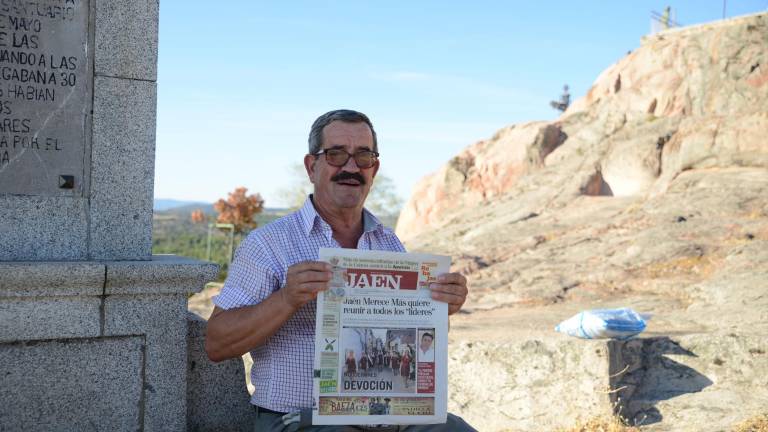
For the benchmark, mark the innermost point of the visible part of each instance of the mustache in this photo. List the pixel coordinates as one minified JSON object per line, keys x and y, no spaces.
{"x":346,"y":175}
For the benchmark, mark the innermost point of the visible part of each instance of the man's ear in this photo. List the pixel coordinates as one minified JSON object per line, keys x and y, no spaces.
{"x":309,"y":165}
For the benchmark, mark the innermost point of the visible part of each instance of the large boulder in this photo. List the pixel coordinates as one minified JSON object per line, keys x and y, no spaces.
{"x":649,"y":192}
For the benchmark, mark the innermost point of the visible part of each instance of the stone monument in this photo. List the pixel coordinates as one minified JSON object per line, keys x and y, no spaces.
{"x":92,"y":326}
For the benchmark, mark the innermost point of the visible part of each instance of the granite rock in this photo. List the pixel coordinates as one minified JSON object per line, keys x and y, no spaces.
{"x":708,"y":93}
{"x":217,"y":398}
{"x":126,"y":38}
{"x":122,"y":174}
{"x":61,"y":385}
{"x":161,"y":319}
{"x":40,"y":279}
{"x":655,"y":200}
{"x":32,"y":228}
{"x":164,"y":274}
{"x":49,"y":318}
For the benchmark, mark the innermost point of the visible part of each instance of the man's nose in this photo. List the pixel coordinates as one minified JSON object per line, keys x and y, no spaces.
{"x":351,"y":165}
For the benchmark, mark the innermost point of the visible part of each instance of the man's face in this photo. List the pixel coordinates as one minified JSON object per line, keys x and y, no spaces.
{"x":426,"y":342}
{"x":346,"y":186}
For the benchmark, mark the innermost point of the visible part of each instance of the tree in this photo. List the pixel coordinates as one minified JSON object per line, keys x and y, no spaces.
{"x":382,"y":201}
{"x":197,"y":216}
{"x":239,"y":209}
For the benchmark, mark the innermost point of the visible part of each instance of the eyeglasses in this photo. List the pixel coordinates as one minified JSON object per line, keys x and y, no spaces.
{"x":338,"y":157}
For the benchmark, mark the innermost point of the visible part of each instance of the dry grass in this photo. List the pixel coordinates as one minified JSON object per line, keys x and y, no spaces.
{"x":700,"y":267}
{"x":601,"y":424}
{"x":756,"y":214}
{"x":758,"y":423}
{"x":755,"y":424}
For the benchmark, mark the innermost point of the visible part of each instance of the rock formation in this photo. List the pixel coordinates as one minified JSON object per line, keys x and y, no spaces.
{"x":651,"y":192}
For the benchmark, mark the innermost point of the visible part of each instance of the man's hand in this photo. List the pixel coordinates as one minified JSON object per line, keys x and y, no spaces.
{"x":233,"y":332}
{"x":303,"y":281}
{"x":450,"y":288}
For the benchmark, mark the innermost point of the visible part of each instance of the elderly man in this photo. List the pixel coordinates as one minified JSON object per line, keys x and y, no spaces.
{"x":267,"y":306}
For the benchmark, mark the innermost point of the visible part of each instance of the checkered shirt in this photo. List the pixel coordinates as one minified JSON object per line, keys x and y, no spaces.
{"x":282,"y":367}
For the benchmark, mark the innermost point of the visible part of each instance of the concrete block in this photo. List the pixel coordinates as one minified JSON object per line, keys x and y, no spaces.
{"x":37,"y":228}
{"x":164,"y":274}
{"x":49,"y":318}
{"x":72,"y":385}
{"x":122,"y":173}
{"x":126,"y":38}
{"x":217,"y":398}
{"x":162,"y":319}
{"x":41,"y":279}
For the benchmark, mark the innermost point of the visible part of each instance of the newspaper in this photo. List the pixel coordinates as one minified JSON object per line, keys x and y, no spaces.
{"x":381,"y":342}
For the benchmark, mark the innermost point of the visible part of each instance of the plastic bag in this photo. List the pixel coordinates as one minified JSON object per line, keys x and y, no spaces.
{"x":604,"y":324}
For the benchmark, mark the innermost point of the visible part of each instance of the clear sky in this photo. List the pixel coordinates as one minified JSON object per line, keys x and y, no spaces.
{"x":240,"y":82}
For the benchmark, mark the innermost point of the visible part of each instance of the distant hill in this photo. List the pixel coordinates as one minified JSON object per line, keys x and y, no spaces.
{"x":167,"y":204}
{"x":184,"y":211}
{"x":187,"y":209}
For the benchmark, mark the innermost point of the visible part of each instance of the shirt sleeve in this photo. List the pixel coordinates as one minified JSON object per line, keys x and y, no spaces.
{"x":250,"y":279}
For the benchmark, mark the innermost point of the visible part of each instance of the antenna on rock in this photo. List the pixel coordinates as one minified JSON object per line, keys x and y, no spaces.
{"x":663,"y":21}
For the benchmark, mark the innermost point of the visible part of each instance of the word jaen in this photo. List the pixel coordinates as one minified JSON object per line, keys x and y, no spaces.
{"x":373,"y":280}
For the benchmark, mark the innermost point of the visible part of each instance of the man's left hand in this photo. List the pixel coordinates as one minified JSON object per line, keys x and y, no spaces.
{"x":450,"y":288}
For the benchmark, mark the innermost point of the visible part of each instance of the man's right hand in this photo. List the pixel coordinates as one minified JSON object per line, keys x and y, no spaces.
{"x":304,"y":281}
{"x":232,"y":333}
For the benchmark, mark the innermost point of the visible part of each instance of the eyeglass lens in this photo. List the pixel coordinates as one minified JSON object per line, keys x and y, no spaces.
{"x":363,"y":159}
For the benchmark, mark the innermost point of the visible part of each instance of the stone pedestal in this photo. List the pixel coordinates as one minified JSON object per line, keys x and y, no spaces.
{"x":96,"y":344}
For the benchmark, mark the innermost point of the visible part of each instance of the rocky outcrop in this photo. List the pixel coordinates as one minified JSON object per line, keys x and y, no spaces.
{"x":686,"y":99}
{"x":480,"y":173}
{"x":649,"y":192}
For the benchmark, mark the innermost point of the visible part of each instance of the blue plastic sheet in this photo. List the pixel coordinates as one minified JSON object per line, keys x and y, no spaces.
{"x":622,"y":323}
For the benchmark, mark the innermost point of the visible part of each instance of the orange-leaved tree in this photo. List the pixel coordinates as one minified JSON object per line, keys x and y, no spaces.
{"x":197,"y":216}
{"x":239,"y":209}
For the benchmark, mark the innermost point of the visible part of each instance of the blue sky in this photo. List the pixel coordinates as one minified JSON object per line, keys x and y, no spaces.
{"x":240,"y":82}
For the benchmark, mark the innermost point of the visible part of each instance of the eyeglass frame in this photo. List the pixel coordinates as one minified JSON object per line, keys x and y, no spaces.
{"x":349,"y":156}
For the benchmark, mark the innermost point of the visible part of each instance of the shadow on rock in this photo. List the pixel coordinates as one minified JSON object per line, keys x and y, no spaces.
{"x":642,"y":374}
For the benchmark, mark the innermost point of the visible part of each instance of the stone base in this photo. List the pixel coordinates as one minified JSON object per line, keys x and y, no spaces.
{"x":96,"y":345}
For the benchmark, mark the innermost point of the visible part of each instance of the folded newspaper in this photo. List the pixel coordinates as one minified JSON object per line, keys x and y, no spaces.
{"x":381,"y":342}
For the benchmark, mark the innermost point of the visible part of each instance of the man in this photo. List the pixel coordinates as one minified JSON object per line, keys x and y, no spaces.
{"x":426,"y":351}
{"x":267,"y":305}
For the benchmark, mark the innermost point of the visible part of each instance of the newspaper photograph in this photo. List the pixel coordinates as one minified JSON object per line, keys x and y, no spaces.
{"x":381,"y":342}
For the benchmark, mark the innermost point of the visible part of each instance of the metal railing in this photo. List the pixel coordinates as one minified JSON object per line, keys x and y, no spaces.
{"x":221,"y":226}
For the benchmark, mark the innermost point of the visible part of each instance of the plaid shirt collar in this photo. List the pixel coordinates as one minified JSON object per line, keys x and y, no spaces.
{"x":310,"y":220}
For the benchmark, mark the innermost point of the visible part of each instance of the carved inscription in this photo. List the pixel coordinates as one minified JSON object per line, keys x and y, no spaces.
{"x":45,"y":79}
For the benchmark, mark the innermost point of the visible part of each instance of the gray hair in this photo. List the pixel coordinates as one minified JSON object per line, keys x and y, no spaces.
{"x":345,"y":115}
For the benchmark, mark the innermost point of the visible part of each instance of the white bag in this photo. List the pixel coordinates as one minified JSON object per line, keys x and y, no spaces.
{"x":604,"y":324}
